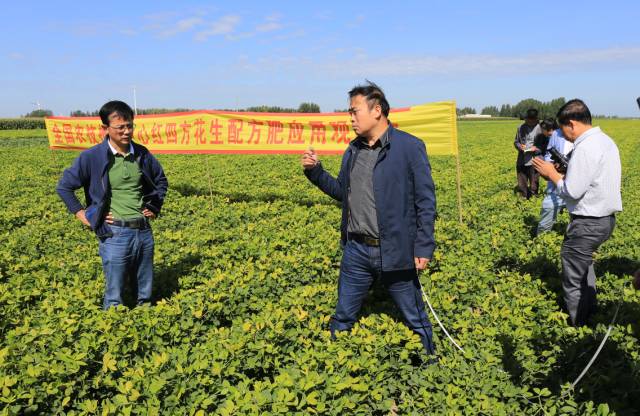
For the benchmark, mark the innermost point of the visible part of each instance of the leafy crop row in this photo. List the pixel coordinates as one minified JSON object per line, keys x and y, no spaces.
{"x":247,"y":258}
{"x":23,"y":134}
{"x":24,"y":123}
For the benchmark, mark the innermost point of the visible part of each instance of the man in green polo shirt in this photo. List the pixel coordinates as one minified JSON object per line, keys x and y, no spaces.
{"x":124,"y":187}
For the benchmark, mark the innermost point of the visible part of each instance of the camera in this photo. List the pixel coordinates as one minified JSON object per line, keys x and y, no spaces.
{"x":559,"y":159}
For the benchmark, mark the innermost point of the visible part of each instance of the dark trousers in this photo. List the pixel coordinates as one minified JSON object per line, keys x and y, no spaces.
{"x":583,"y":237}
{"x":528,"y":180}
{"x":361,"y":264}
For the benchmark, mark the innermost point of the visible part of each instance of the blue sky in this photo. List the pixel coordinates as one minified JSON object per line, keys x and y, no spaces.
{"x":207,"y":55}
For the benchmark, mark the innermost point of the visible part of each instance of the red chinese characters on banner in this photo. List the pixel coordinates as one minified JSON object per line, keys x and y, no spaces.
{"x":275,"y":128}
{"x":215,"y":129}
{"x":142,"y":135}
{"x":199,"y":133}
{"x":91,"y":134}
{"x":295,"y":133}
{"x":156,"y":137}
{"x":234,"y":127}
{"x":210,"y":131}
{"x":186,"y":138}
{"x":340,"y":131}
{"x":67,"y":130}
{"x":318,"y":132}
{"x":171,"y":133}
{"x":57,"y":134}
{"x":255,"y":132}
{"x":80,"y":133}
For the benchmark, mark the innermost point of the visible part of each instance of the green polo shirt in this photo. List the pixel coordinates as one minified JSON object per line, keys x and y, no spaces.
{"x":125,"y":179}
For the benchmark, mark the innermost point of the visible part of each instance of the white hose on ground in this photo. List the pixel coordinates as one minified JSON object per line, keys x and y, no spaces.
{"x":426,"y":299}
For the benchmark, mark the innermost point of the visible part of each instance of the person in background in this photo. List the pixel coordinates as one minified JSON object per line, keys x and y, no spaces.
{"x":591,"y":190}
{"x":528,"y":140}
{"x":552,"y":203}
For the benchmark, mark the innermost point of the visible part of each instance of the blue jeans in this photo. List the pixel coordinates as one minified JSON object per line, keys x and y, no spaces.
{"x":361,"y":264}
{"x":552,"y":204}
{"x":129,"y":252}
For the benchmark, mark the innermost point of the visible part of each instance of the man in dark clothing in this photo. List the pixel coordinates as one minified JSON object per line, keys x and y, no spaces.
{"x":124,"y":187}
{"x":388,"y":213}
{"x":529,"y":142}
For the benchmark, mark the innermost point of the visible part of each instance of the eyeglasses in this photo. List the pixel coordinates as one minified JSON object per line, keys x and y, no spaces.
{"x":123,"y":127}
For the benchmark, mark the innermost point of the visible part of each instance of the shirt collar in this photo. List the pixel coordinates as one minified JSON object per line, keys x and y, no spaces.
{"x":115,"y":152}
{"x":383,"y":139}
{"x":586,"y":134}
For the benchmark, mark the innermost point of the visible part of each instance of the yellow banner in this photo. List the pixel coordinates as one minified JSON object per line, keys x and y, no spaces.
{"x":243,"y":132}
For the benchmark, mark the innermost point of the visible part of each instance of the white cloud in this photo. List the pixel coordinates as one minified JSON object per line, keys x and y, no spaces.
{"x":269,"y":27}
{"x":16,"y":56}
{"x":240,"y":36}
{"x":356,"y":22}
{"x":272,"y":22}
{"x":292,"y":35}
{"x":160,"y":16}
{"x":226,"y":25}
{"x":128,"y":32}
{"x":569,"y":60}
{"x":182,"y":25}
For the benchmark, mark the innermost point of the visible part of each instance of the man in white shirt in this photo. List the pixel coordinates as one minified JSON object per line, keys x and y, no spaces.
{"x":591,"y":190}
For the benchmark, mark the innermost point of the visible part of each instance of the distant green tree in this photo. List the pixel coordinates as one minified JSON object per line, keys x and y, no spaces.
{"x":162,"y":110}
{"x":491,"y":110}
{"x":506,"y":110}
{"x":550,"y":109}
{"x":80,"y":113}
{"x":40,"y":113}
{"x":547,"y":109}
{"x":270,"y":109}
{"x":309,"y":108}
{"x":520,"y":109}
{"x":465,"y":110}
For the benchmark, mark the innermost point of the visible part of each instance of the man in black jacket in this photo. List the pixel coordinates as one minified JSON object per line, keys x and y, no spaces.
{"x":388,"y":213}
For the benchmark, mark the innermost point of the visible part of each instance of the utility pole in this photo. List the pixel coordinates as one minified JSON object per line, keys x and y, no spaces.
{"x":135,"y":102}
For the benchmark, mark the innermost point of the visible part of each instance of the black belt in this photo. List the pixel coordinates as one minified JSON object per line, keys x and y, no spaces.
{"x":134,"y":223}
{"x":364,"y":239}
{"x":587,"y":217}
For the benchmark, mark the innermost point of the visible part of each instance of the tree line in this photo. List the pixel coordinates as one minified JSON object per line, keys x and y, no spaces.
{"x":546,"y":109}
{"x":302,"y":108}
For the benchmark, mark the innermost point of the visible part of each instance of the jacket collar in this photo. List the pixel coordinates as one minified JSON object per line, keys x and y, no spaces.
{"x":386,"y":138}
{"x":106,"y":147}
{"x":114,"y":151}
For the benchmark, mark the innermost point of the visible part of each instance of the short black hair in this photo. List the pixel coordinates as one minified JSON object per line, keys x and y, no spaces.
{"x":548,"y":124}
{"x":532,"y":113}
{"x":121,"y":108}
{"x":373,"y":94}
{"x":575,"y":110}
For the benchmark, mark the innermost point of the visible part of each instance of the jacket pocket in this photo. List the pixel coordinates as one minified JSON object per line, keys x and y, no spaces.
{"x":90,"y":213}
{"x":93,"y":213}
